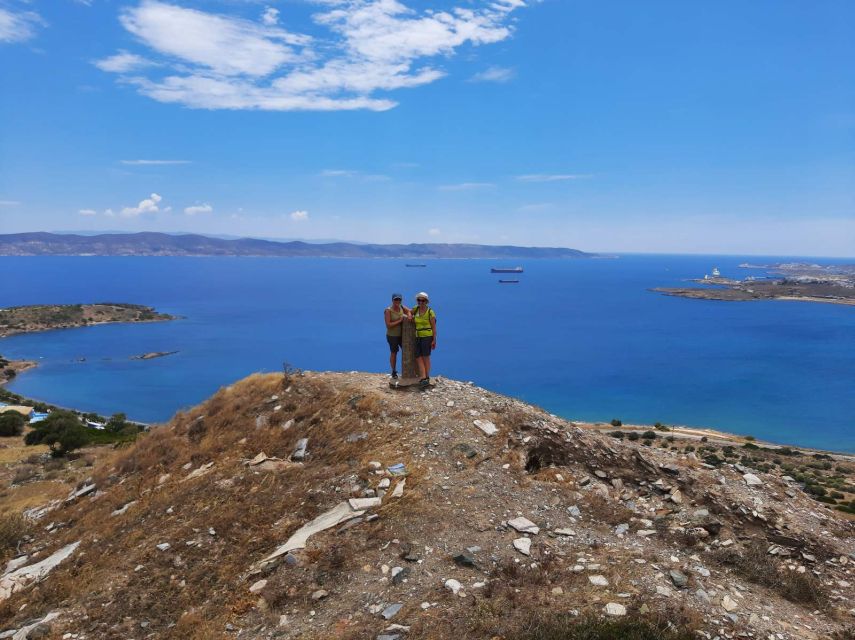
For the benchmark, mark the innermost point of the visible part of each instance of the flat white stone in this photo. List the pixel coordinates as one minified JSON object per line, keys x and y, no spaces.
{"x":524,"y":525}
{"x":258,"y":586}
{"x":564,"y":532}
{"x":523,"y":545}
{"x":615,"y":609}
{"x":487,"y":427}
{"x":728,"y":604}
{"x":453,"y":585}
{"x":751,"y":480}
{"x":23,"y":576}
{"x":598,"y":581}
{"x":364,"y":503}
{"x":340,"y":513}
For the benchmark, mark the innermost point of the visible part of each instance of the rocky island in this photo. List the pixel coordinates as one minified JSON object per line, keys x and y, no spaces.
{"x":31,"y":318}
{"x":833,"y":284}
{"x":329,"y":506}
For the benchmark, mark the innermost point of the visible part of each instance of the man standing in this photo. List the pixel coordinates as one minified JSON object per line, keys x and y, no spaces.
{"x":425,"y":320}
{"x":394,"y":316}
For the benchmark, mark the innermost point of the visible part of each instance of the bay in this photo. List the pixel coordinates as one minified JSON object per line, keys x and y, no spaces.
{"x":584,"y":339}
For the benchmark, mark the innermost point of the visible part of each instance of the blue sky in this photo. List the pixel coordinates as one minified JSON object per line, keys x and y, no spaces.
{"x":662,"y":126}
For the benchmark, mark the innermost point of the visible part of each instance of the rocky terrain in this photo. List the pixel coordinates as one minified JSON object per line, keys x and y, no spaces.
{"x":31,"y":318}
{"x":322,"y":505}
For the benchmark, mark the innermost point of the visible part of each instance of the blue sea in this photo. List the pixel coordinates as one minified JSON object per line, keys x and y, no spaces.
{"x":584,"y":339}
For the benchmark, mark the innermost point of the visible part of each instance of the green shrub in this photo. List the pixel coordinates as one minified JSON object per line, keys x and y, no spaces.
{"x":61,"y":431}
{"x":616,"y":423}
{"x":11,"y":423}
{"x":649,"y":435}
{"x":617,"y":434}
{"x":633,"y":435}
{"x":750,"y":445}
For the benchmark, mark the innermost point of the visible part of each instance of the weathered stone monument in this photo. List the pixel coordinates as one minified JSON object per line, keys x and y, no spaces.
{"x":409,"y":369}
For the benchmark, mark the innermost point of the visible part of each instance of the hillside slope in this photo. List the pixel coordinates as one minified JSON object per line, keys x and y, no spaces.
{"x":165,"y":244}
{"x":183,"y":534}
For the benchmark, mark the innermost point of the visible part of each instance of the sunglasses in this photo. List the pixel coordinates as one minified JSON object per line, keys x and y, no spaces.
{"x":421,"y":299}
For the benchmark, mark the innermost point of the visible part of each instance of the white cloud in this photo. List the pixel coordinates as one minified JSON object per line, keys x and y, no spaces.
{"x":197,"y":209}
{"x":552,"y":177}
{"x":466,"y":186}
{"x":338,"y":173}
{"x":88,"y":212}
{"x":434,"y":232}
{"x":224,"y":62}
{"x":18,"y":26}
{"x":122,"y":62}
{"x":9,"y":203}
{"x":149,"y":205}
{"x":299,"y":216}
{"x":495,"y":74}
{"x":270,"y":17}
{"x":154,"y":162}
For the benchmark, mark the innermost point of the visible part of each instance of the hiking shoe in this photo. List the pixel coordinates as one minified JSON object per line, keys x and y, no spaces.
{"x":394,"y":375}
{"x":424,"y":382}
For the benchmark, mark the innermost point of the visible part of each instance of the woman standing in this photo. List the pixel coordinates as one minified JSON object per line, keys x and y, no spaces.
{"x":425,"y":320}
{"x":394,"y":316}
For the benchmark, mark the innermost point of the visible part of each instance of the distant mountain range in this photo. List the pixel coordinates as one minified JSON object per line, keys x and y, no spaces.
{"x":163,"y":244}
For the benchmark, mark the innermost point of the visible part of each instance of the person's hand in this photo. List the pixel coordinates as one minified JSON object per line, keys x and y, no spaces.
{"x":433,"y":345}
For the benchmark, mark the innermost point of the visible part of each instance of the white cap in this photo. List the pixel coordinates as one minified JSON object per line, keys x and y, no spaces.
{"x":422,"y":294}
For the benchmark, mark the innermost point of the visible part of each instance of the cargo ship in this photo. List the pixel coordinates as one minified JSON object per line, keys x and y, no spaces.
{"x":507,"y":270}
{"x":509,"y":281}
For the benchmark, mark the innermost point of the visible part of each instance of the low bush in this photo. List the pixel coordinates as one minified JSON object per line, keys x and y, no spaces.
{"x":11,"y":423}
{"x":616,"y":423}
{"x":13,"y":528}
{"x":617,"y":434}
{"x":548,"y":625}
{"x":649,"y":435}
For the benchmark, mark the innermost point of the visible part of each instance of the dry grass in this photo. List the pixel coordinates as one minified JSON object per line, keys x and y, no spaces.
{"x":549,"y":625}
{"x":756,"y":565}
{"x":13,"y":528}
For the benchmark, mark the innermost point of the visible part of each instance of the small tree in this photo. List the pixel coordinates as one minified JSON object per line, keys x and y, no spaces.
{"x":61,"y":431}
{"x":11,"y":423}
{"x":116,"y":423}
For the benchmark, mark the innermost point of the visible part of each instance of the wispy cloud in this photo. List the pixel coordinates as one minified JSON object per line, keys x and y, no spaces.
{"x":196,"y":209}
{"x":536,"y":207}
{"x":466,"y":186}
{"x":338,"y":173}
{"x":299,"y":216}
{"x":495,"y":74}
{"x":154,"y":162}
{"x":9,"y":203}
{"x":270,"y":17}
{"x":18,"y":26}
{"x":217,"y":61}
{"x":434,"y":232}
{"x":552,"y":177}
{"x":123,"y":62}
{"x":352,"y":173}
{"x":87,"y":212}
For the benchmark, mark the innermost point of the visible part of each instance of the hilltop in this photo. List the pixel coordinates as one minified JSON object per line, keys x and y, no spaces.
{"x":326,"y":505}
{"x":164,"y":244}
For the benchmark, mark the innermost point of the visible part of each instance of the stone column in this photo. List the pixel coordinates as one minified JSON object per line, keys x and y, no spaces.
{"x":408,"y":350}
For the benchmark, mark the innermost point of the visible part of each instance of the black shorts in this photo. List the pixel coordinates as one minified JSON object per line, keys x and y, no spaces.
{"x":423,"y":346}
{"x":394,"y":343}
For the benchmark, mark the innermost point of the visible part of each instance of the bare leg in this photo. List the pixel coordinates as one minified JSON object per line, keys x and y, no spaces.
{"x":420,"y":362}
{"x":393,"y":360}
{"x":426,"y":367}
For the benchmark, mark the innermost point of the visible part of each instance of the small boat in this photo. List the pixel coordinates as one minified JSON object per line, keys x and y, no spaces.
{"x":507,"y":270}
{"x":416,"y":265}
{"x":715,"y":272}
{"x":509,"y":281}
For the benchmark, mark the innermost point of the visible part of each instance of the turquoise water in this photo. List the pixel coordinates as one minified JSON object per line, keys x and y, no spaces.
{"x":582,"y":338}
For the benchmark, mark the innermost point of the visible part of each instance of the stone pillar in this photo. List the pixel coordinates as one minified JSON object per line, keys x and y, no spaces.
{"x":408,"y":350}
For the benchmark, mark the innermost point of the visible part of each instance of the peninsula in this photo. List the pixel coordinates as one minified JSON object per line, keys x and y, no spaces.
{"x":32,"y":318}
{"x":833,"y":284}
{"x":165,"y":244}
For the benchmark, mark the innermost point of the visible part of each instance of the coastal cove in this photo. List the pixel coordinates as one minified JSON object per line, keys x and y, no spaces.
{"x":585,"y":339}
